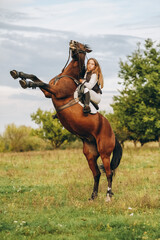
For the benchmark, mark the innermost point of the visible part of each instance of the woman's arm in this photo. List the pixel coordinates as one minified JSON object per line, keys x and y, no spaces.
{"x":92,"y":81}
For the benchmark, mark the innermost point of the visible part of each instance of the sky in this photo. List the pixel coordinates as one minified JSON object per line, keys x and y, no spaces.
{"x":35,"y":35}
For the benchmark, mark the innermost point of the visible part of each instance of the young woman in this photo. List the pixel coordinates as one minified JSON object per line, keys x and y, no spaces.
{"x":93,"y":83}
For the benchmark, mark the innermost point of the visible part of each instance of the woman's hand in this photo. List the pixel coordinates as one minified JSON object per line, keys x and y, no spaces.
{"x":81,"y":80}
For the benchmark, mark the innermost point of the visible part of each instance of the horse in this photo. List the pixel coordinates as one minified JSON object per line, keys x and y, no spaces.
{"x":93,"y":129}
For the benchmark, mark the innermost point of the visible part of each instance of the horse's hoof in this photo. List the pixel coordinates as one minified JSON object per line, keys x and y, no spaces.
{"x":14,"y":74}
{"x":93,"y":196}
{"x":108,"y":198}
{"x":23,"y":84}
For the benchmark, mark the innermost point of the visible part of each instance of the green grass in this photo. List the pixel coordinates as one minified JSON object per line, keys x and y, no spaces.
{"x":44,"y":195}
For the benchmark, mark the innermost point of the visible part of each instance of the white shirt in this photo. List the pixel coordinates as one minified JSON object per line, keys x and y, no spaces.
{"x":92,"y":82}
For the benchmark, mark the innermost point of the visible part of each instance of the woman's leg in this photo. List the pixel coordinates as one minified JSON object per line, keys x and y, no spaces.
{"x":90,"y":95}
{"x":95,"y":97}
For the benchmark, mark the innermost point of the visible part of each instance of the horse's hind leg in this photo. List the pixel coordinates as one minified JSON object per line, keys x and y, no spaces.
{"x":91,"y":153}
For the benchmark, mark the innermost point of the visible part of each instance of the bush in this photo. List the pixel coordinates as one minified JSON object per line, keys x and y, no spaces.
{"x":20,"y":139}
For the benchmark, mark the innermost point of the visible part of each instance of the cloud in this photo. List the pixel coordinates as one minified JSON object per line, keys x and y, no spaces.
{"x":44,"y":53}
{"x":88,"y":17}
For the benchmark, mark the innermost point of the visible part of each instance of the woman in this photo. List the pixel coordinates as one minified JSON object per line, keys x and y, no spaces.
{"x":93,"y":83}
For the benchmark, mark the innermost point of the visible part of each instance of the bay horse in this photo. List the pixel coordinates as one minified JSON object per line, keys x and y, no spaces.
{"x":94,"y":129}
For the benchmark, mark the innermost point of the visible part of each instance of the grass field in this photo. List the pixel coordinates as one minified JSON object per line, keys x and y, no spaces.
{"x":44,"y":195}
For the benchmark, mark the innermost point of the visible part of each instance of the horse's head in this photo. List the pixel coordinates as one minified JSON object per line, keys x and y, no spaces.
{"x":78,"y":49}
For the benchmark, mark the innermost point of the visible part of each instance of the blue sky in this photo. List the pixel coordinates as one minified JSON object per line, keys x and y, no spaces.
{"x":34,"y":37}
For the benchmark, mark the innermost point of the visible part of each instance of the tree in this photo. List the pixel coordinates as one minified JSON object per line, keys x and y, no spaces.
{"x":137,"y":106}
{"x":50,"y":129}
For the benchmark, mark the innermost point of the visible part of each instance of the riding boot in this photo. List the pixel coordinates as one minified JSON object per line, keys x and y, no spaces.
{"x":86,"y":108}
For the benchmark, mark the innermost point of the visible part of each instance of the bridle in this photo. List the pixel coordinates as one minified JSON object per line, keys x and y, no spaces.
{"x":77,"y":51}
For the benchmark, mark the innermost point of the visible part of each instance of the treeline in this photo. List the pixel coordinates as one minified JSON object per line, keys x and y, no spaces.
{"x":136,"y":110}
{"x":50,"y":135}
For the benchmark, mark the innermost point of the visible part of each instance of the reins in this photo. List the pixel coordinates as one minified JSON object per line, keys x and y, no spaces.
{"x":77,"y":52}
{"x":67,"y":60}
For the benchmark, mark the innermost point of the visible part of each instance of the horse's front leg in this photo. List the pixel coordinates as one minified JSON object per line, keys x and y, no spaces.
{"x":36,"y":82}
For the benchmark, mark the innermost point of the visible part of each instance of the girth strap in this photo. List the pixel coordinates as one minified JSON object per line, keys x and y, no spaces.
{"x":69,"y":104}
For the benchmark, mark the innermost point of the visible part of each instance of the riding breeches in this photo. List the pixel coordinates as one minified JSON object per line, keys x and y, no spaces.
{"x":95,"y":97}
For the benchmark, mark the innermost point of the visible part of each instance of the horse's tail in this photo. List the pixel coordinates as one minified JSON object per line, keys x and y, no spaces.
{"x":117,"y":155}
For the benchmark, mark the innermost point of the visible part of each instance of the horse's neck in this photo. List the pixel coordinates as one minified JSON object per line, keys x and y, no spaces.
{"x":66,"y":86}
{"x":72,"y":69}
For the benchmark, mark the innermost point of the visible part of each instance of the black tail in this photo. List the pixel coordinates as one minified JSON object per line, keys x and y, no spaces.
{"x":117,"y":155}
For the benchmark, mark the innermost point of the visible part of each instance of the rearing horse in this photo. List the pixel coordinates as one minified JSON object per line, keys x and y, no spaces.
{"x":94,"y":130}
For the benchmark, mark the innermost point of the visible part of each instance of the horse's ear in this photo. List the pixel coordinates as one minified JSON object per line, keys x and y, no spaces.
{"x":87,"y":49}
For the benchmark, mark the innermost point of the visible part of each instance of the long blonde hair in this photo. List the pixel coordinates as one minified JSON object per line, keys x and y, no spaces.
{"x":98,"y":71}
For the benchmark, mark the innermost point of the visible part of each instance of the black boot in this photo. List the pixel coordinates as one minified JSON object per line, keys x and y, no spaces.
{"x":86,"y":108}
